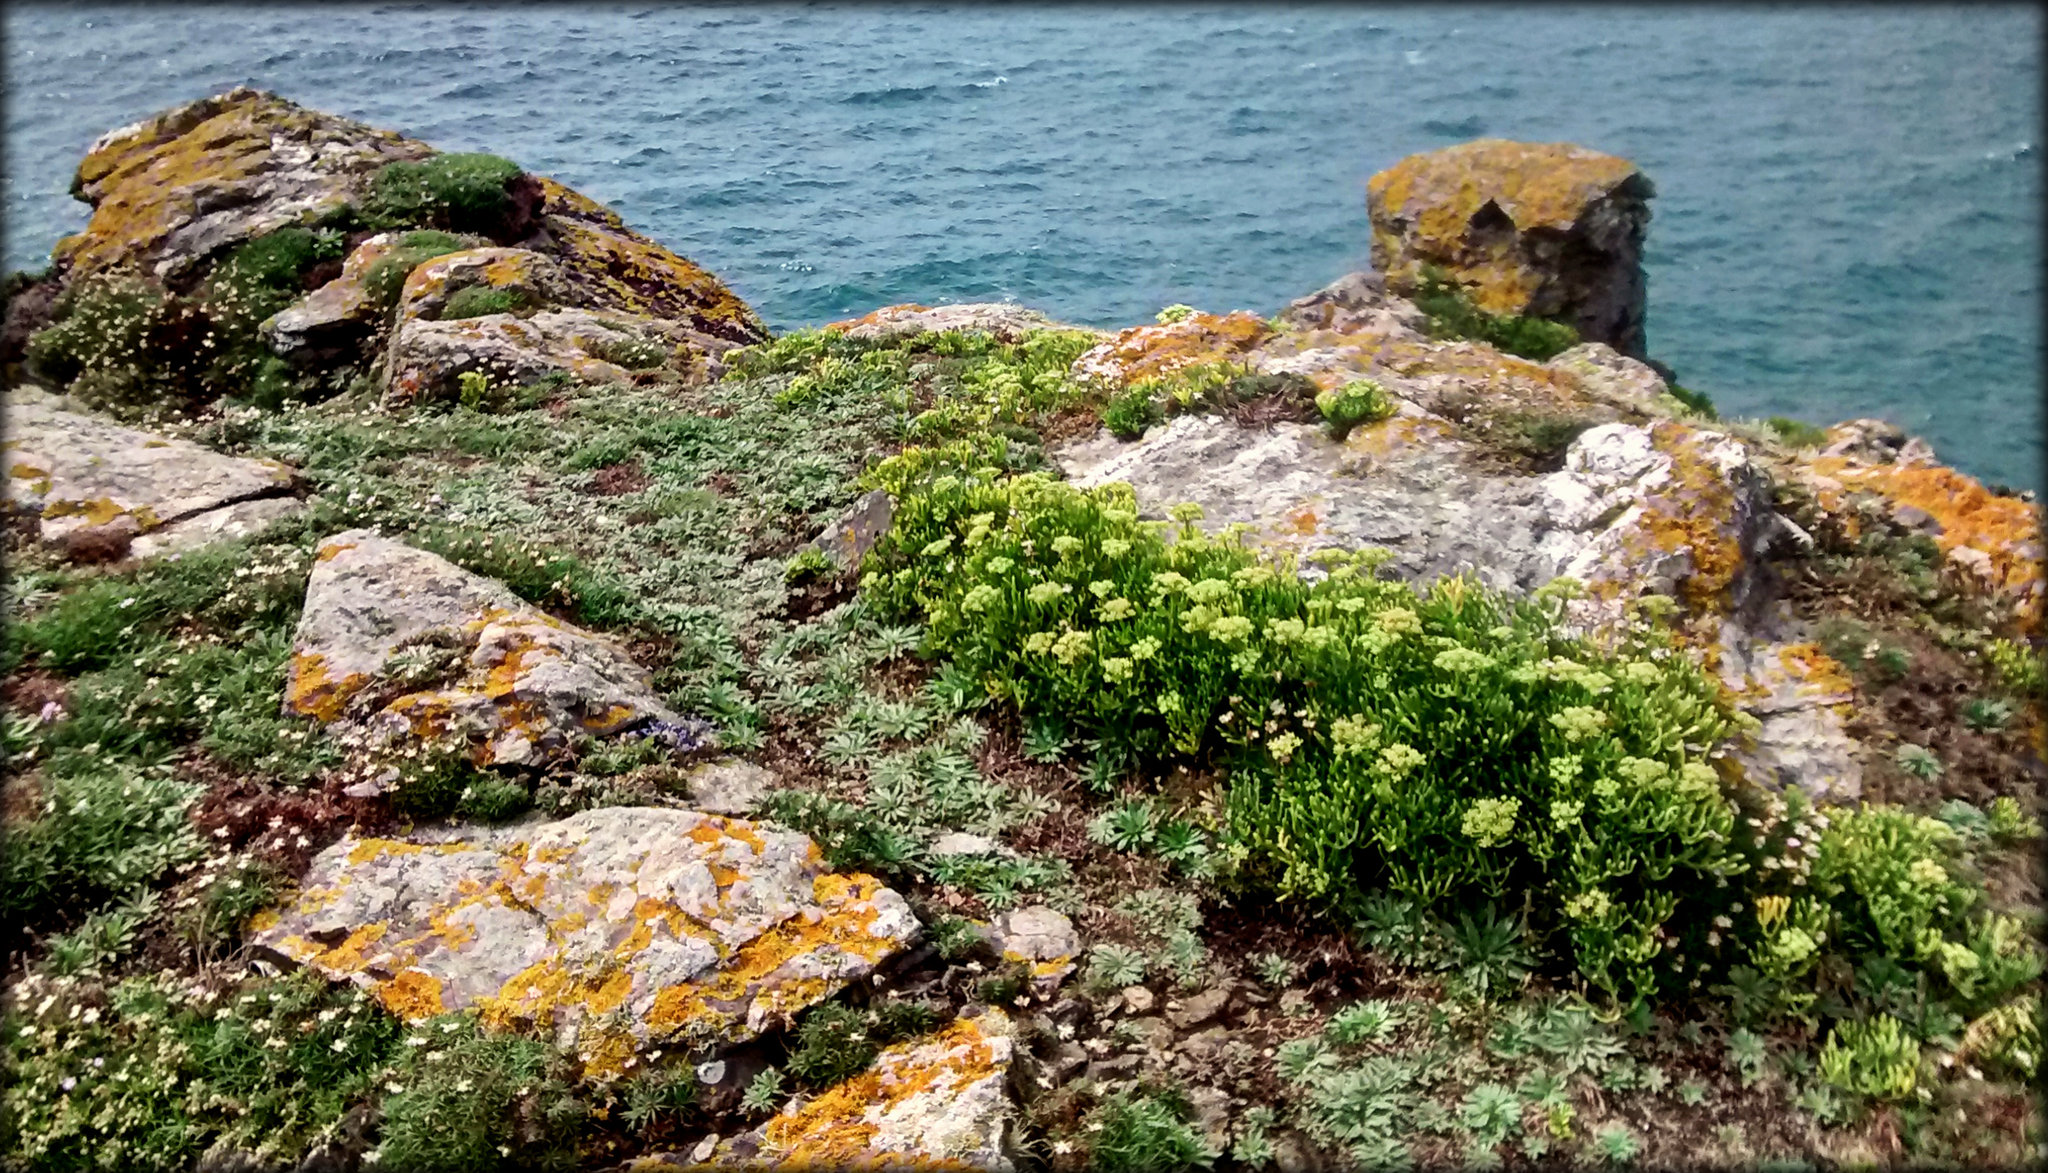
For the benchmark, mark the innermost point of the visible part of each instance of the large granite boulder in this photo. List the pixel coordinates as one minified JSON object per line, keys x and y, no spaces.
{"x":404,"y":644}
{"x":170,"y":191}
{"x":1546,"y":230}
{"x":614,"y":929}
{"x":104,"y":491}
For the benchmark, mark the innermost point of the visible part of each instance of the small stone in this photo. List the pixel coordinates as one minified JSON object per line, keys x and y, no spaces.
{"x":1137,"y":999}
{"x":728,"y":786}
{"x":1198,"y":1008}
{"x":847,"y":540}
{"x":711,"y":1073}
{"x":962,"y":843}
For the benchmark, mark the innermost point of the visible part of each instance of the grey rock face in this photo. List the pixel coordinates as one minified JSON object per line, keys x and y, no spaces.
{"x":410,"y":645}
{"x":1003,"y":319}
{"x":613,"y":928}
{"x":77,"y":472}
{"x":849,"y":538}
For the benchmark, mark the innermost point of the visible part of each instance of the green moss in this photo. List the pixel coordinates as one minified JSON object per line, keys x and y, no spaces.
{"x":385,"y":279}
{"x":475,"y":301}
{"x":1452,"y":314}
{"x":461,"y":192}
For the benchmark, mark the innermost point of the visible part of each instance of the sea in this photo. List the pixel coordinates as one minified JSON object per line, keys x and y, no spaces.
{"x":1848,"y":217}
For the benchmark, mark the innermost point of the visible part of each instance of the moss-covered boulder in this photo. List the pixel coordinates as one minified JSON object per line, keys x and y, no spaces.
{"x":1533,"y":230}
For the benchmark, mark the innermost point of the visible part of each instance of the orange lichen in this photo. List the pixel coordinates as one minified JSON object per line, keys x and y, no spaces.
{"x":1691,"y":512}
{"x":876,"y":317}
{"x":1145,"y":352}
{"x":2006,"y":530}
{"x":1823,"y":673}
{"x":837,"y":1128}
{"x":97,"y":511}
{"x":620,"y":269}
{"x":1423,"y":209}
{"x":412,"y":995}
{"x":313,"y":693}
{"x":333,"y":550}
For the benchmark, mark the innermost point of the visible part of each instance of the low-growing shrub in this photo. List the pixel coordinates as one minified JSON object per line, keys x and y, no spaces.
{"x":1358,"y":402}
{"x":100,"y":336}
{"x":475,"y":301}
{"x":100,"y":836}
{"x":631,"y":352}
{"x":1455,"y":745}
{"x":385,"y":279}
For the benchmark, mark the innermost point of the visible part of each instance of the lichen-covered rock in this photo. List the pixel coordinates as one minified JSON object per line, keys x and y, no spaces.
{"x":939,"y":1102}
{"x":1802,"y":700}
{"x":613,"y":929}
{"x":615,"y":268}
{"x":428,"y":358}
{"x":1042,"y":938}
{"x":850,"y":536}
{"x":1006,"y":321}
{"x":1995,"y":541}
{"x":1357,"y":303}
{"x":148,"y":494}
{"x":175,"y":188}
{"x":1405,"y":484}
{"x":409,"y":645}
{"x":1147,"y":352}
{"x":728,"y":786}
{"x":330,"y":321}
{"x":522,"y":274}
{"x":1667,"y":509}
{"x":1547,"y":230}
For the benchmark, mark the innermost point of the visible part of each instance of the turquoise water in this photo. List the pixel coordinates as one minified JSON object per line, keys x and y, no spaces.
{"x":1848,"y":218}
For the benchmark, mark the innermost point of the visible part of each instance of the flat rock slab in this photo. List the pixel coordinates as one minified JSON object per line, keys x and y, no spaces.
{"x":408,"y":644}
{"x":77,"y":472}
{"x":614,"y":928}
{"x":1003,"y":319}
{"x":933,"y":1103}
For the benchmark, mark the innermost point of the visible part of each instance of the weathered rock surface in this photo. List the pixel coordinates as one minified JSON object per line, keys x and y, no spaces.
{"x":328,"y":322}
{"x":1546,"y":230}
{"x":1157,"y":349}
{"x":728,"y":786}
{"x":171,"y":190}
{"x":429,"y":352}
{"x":939,"y":1102}
{"x":1006,"y":321}
{"x":83,"y":476}
{"x":410,"y":645}
{"x":849,"y":538}
{"x":614,"y":928}
{"x":1040,"y":937}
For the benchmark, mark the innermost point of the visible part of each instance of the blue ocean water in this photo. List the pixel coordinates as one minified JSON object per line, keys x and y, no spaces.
{"x":1848,"y":221}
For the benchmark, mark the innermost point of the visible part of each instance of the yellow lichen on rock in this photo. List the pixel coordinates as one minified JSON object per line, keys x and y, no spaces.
{"x":1147,"y":352}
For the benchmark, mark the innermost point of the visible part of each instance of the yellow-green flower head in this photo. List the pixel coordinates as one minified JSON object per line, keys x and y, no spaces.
{"x":1591,"y":904}
{"x":1399,"y":758}
{"x":1168,"y":582}
{"x":938,"y":545}
{"x":1698,"y":779}
{"x":1246,"y":662}
{"x":1065,"y":544}
{"x":1927,"y":873}
{"x":1462,"y":660}
{"x":1115,"y":609}
{"x":1039,"y":642}
{"x":1285,"y":631}
{"x":1144,"y":649}
{"x":1351,"y":604}
{"x":1116,"y":669}
{"x":1230,"y":628}
{"x":1958,"y":961}
{"x":1595,"y":682}
{"x":1101,"y":588}
{"x":1318,"y":637}
{"x":1794,"y":945}
{"x":1578,"y":722}
{"x":1282,"y":746}
{"x":1565,"y":812}
{"x":1210,"y":591}
{"x":1642,"y":672}
{"x":1489,"y":820}
{"x":1115,"y":547}
{"x":1070,"y":647}
{"x":1642,"y":771}
{"x":945,"y":484}
{"x":980,"y":597}
{"x":1605,"y":787}
{"x":1000,"y":565}
{"x":1396,"y":621}
{"x":1353,"y":735}
{"x":1561,"y":587}
{"x":1045,"y":592}
{"x":1169,"y":702}
{"x":1186,"y":511}
{"x":1251,"y":577}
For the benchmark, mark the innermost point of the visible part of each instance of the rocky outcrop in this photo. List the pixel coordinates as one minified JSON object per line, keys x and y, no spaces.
{"x":335,"y":319}
{"x":1006,"y":321}
{"x":613,"y":929}
{"x":1547,"y":230}
{"x":939,"y":1102}
{"x":104,"y":491}
{"x":406,"y":645}
{"x":172,"y":190}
